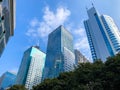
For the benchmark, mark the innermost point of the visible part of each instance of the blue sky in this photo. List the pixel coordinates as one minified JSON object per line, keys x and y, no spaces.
{"x":35,"y":19}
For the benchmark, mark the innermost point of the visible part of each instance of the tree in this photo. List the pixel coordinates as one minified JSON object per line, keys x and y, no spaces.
{"x":17,"y":87}
{"x":87,"y":76}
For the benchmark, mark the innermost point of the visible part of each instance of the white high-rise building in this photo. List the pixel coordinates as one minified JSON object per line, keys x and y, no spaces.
{"x":31,"y":68}
{"x":69,"y":60}
{"x":103,"y":35}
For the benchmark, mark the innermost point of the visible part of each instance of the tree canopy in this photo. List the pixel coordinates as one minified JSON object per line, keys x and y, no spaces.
{"x":17,"y":87}
{"x":87,"y":76}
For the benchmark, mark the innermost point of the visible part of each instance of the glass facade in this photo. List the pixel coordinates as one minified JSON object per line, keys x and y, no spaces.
{"x":31,"y":68}
{"x":7,"y":23}
{"x":60,"y":42}
{"x":103,"y":35}
{"x":112,"y":32}
{"x":7,"y":80}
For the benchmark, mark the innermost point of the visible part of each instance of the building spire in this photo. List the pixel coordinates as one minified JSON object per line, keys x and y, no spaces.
{"x":38,"y":43}
{"x":86,"y":8}
{"x":92,"y":3}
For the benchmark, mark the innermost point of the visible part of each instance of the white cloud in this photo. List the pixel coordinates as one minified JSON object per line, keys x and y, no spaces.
{"x":14,"y":70}
{"x":31,"y":32}
{"x":51,"y":20}
{"x":81,"y":42}
{"x":80,"y":38}
{"x":34,"y":22}
{"x":80,"y":32}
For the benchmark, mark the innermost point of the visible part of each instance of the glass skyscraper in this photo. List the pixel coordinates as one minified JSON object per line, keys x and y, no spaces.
{"x":7,"y":80}
{"x":60,"y":54}
{"x":7,"y":22}
{"x":103,"y":35}
{"x":31,"y":68}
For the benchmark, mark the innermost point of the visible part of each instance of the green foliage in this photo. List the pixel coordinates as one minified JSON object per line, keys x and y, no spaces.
{"x":17,"y":87}
{"x":87,"y":76}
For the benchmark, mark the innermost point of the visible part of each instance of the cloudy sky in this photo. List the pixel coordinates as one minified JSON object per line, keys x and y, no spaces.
{"x":35,"y":19}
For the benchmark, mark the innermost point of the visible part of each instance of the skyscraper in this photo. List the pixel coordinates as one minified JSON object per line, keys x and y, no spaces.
{"x":7,"y":80}
{"x":79,"y":58}
{"x":31,"y":68}
{"x":103,"y":35}
{"x":7,"y":22}
{"x":60,"y":54}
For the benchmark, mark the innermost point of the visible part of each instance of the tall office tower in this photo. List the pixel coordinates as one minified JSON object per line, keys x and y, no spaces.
{"x":60,"y":54}
{"x":103,"y":35}
{"x":79,"y":58}
{"x":7,"y":80}
{"x":7,"y":22}
{"x":31,"y":68}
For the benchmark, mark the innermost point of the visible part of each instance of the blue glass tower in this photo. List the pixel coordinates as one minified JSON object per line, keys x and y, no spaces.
{"x":7,"y":80}
{"x":60,"y":54}
{"x":31,"y":68}
{"x":103,"y":35}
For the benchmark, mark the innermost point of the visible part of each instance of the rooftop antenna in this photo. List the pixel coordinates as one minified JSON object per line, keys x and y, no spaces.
{"x":38,"y":44}
{"x":92,"y":3}
{"x":86,"y":8}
